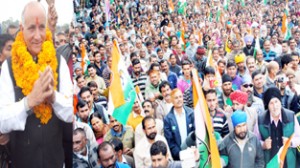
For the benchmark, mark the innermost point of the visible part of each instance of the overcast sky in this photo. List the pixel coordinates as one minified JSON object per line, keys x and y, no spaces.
{"x":14,"y":8}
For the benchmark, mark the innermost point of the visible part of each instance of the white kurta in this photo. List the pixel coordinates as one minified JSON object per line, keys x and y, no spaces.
{"x":13,"y":114}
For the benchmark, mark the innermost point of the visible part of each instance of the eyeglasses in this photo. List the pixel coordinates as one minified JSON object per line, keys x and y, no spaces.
{"x":248,"y":85}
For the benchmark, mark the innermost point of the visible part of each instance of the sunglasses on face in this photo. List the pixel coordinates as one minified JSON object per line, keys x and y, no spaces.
{"x":248,"y":85}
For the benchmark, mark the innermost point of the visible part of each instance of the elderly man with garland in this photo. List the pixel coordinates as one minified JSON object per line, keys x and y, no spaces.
{"x":36,"y":94}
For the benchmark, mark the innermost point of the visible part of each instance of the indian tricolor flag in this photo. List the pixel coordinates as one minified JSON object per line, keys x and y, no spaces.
{"x":84,"y":59}
{"x":285,"y":24}
{"x":121,"y":91}
{"x":171,"y":6}
{"x":278,"y":160}
{"x":205,"y":139}
{"x":212,"y":63}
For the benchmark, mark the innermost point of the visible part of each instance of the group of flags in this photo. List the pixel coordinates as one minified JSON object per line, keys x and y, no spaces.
{"x":122,"y":95}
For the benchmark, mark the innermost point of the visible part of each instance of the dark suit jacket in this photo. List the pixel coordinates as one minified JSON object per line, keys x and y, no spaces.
{"x":171,"y":130}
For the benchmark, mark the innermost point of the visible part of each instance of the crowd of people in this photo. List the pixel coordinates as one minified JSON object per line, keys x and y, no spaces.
{"x":246,"y":54}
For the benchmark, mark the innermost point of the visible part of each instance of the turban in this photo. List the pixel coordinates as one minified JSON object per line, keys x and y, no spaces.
{"x":239,"y":58}
{"x":239,"y":96}
{"x":238,"y":117}
{"x":226,"y":78}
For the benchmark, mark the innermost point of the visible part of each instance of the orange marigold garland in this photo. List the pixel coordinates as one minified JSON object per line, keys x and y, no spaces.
{"x":26,"y":70}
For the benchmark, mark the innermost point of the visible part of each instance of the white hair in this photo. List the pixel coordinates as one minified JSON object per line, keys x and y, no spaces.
{"x":25,"y":9}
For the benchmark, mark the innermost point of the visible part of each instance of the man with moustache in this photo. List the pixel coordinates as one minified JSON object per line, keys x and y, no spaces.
{"x":241,"y":148}
{"x":253,"y":101}
{"x":249,"y":48}
{"x":107,"y":157}
{"x":239,"y":100}
{"x":141,"y":154}
{"x":224,"y":101}
{"x":84,"y":151}
{"x":123,"y":132}
{"x":275,"y":126}
{"x":250,"y":64}
{"x":138,"y":77}
{"x":149,"y":111}
{"x":259,"y":86}
{"x":152,"y":87}
{"x":163,"y":106}
{"x":87,"y":96}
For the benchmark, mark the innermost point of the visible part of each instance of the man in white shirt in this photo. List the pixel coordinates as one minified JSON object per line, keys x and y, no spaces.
{"x":149,"y":111}
{"x":142,"y":150}
{"x":30,"y":137}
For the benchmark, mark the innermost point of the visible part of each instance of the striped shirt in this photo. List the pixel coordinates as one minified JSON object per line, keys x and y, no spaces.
{"x":220,"y":123}
{"x":140,"y":81}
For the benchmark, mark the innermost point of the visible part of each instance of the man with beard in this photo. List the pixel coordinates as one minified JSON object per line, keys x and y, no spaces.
{"x":178,"y":123}
{"x":87,"y":96}
{"x":163,"y":106}
{"x":253,"y":101}
{"x":241,"y":148}
{"x":135,"y":117}
{"x":84,"y":152}
{"x":239,"y":100}
{"x":138,"y":77}
{"x":141,"y":153}
{"x":172,"y":77}
{"x":152,"y":89}
{"x":108,"y":158}
{"x":149,"y":111}
{"x":275,"y":126}
{"x":248,"y":49}
{"x":123,"y":132}
{"x":82,"y":111}
{"x":223,"y":99}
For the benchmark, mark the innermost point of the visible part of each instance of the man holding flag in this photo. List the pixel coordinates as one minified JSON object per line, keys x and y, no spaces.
{"x":274,"y":128}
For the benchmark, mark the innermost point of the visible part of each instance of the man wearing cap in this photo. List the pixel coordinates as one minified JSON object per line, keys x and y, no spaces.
{"x":253,"y":101}
{"x":275,"y":126}
{"x":223,"y":99}
{"x":241,"y":148}
{"x":199,"y":59}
